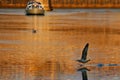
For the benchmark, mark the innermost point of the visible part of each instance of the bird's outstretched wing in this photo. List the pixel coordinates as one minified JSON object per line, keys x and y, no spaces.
{"x":84,"y":52}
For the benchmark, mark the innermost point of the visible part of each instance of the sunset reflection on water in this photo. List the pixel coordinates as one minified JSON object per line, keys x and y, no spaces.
{"x":51,"y":52}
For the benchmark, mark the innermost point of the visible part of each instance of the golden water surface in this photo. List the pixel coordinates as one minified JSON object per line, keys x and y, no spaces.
{"x":51,"y":52}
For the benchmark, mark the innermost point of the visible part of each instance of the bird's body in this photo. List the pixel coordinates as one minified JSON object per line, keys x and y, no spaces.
{"x":83,"y":61}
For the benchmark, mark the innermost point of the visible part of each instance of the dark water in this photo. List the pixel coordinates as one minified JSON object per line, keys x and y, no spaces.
{"x":51,"y":52}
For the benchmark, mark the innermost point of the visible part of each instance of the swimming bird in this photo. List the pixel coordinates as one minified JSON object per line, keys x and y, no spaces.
{"x":34,"y":31}
{"x":84,"y":54}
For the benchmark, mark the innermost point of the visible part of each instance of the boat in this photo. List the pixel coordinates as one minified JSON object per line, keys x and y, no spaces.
{"x":34,"y":8}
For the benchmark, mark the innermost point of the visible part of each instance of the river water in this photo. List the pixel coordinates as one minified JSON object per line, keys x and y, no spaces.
{"x":51,"y":52}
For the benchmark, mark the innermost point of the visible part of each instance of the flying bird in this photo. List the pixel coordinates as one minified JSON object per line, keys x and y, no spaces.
{"x":84,"y":55}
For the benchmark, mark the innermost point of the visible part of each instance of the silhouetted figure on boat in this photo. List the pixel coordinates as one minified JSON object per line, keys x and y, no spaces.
{"x":84,"y":54}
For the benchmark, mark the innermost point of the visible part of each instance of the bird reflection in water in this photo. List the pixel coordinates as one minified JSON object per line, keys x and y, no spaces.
{"x":84,"y":73}
{"x":83,"y":59}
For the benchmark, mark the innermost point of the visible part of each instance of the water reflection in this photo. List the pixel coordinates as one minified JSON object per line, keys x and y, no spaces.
{"x":84,"y":73}
{"x":95,"y":73}
{"x":51,"y":53}
{"x":52,"y":71}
